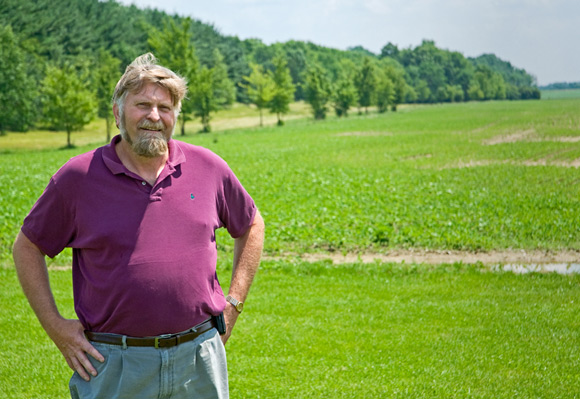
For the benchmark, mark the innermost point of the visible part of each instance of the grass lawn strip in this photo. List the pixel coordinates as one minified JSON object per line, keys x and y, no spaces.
{"x":359,"y":330}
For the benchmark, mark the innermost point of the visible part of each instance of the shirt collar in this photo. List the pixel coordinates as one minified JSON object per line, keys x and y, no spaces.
{"x":111,"y":159}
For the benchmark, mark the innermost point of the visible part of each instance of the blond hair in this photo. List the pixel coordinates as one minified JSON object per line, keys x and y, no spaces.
{"x":144,"y":69}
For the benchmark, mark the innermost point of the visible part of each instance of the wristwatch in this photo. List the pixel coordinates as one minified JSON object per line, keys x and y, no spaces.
{"x":237,"y":304}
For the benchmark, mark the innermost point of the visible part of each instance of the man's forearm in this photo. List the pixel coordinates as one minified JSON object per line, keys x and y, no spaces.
{"x":247,"y":254}
{"x":33,"y":276}
{"x":68,"y":335}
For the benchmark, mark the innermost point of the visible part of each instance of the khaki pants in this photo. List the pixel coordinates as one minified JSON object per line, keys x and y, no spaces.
{"x":195,"y":369}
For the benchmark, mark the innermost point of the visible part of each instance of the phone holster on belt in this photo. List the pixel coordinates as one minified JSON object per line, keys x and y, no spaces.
{"x":220,"y":323}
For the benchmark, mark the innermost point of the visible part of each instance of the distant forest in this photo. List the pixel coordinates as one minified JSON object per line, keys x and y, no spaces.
{"x":561,"y":86}
{"x":37,"y":35}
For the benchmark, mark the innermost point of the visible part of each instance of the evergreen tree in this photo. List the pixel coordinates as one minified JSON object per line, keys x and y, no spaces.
{"x":17,"y":89}
{"x":224,"y":90}
{"x":283,"y":88}
{"x":105,"y":76}
{"x":260,"y":87}
{"x":68,"y":103}
{"x":318,"y":91}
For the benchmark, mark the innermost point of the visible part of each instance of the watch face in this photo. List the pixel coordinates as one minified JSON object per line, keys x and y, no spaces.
{"x":240,"y":307}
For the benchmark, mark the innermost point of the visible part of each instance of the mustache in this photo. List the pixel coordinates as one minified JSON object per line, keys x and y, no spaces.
{"x":151,"y":125}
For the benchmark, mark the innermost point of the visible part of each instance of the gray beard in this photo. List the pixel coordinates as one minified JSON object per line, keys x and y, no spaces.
{"x":148,"y":146}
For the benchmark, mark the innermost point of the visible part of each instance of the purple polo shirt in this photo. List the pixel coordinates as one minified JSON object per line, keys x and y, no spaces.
{"x":144,"y":258}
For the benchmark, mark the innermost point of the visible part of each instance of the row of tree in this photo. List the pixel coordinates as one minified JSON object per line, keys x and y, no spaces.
{"x":50,"y":47}
{"x":561,"y":86}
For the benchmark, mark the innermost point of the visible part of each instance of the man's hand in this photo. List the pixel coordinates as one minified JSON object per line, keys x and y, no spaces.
{"x":69,"y":337}
{"x":230,"y":316}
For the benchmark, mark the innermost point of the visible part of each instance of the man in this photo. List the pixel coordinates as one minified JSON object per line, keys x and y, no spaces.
{"x":140,"y":215}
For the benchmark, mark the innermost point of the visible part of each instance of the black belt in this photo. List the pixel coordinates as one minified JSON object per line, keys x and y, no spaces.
{"x":161,"y":341}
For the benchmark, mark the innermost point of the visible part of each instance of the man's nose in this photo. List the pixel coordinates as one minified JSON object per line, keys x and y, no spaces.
{"x":154,"y":114}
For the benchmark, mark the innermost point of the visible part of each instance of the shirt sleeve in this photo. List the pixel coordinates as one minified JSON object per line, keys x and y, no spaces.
{"x":236,"y":207}
{"x":50,"y":223}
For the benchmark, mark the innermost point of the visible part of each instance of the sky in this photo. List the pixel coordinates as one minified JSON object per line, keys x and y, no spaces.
{"x":540,"y":36}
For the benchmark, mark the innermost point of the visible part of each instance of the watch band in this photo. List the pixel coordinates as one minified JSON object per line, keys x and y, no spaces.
{"x":237,"y":304}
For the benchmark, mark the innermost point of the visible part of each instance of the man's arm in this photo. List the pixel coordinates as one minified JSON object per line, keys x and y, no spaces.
{"x":247,"y":253}
{"x":68,"y":335}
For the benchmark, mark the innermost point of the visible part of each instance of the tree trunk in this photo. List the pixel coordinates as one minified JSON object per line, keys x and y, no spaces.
{"x":108,"y":124}
{"x":205,"y":122}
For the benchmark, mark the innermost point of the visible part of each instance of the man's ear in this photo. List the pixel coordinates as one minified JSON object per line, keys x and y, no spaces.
{"x":116,"y":113}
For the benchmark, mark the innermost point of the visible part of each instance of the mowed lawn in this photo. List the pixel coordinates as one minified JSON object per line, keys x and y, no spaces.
{"x":474,"y":177}
{"x":359,"y":331}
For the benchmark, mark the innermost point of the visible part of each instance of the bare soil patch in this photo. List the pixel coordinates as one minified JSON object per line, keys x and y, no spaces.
{"x":439,"y":257}
{"x":418,"y":156}
{"x":541,"y":162}
{"x":529,"y":135}
{"x":362,"y":134}
{"x":510,"y":138}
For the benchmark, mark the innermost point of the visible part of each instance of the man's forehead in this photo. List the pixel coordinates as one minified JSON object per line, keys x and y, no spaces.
{"x":152,"y":91}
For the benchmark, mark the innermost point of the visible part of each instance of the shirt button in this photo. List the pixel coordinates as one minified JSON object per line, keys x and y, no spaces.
{"x":143,"y":183}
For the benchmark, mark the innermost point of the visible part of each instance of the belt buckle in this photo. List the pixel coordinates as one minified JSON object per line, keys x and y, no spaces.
{"x":163,"y":338}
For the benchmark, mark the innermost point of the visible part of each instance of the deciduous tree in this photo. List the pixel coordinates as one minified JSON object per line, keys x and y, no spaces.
{"x":318,"y":90}
{"x":174,"y":48}
{"x":385,"y":91}
{"x":260,"y":87}
{"x":204,"y":100}
{"x":68,"y":102}
{"x":283,"y":88}
{"x":344,"y":93}
{"x":106,"y":75}
{"x":365,"y":83}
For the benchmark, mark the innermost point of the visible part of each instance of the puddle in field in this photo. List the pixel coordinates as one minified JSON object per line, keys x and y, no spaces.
{"x":560,"y":268}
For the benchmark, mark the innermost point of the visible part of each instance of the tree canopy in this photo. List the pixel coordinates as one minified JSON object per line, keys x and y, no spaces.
{"x":68,"y":102}
{"x":44,"y":32}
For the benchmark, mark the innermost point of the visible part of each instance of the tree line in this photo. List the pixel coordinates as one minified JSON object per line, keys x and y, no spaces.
{"x":60,"y":60}
{"x":561,"y":86}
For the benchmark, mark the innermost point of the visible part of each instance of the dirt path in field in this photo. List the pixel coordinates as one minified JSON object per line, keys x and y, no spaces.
{"x":519,"y":261}
{"x":513,"y":257}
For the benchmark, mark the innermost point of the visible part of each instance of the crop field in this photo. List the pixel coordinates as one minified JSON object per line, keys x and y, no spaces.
{"x":475,"y":177}
{"x":560,"y":94}
{"x":472,"y":178}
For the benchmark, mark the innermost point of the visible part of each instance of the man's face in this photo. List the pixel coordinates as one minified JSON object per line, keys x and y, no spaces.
{"x":148,"y":120}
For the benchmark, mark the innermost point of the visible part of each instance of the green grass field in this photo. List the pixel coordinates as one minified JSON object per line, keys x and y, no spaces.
{"x":372,"y":331}
{"x":560,"y":94}
{"x":473,"y":177}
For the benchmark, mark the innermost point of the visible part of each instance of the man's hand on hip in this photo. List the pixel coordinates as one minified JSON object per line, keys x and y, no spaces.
{"x":70,"y":339}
